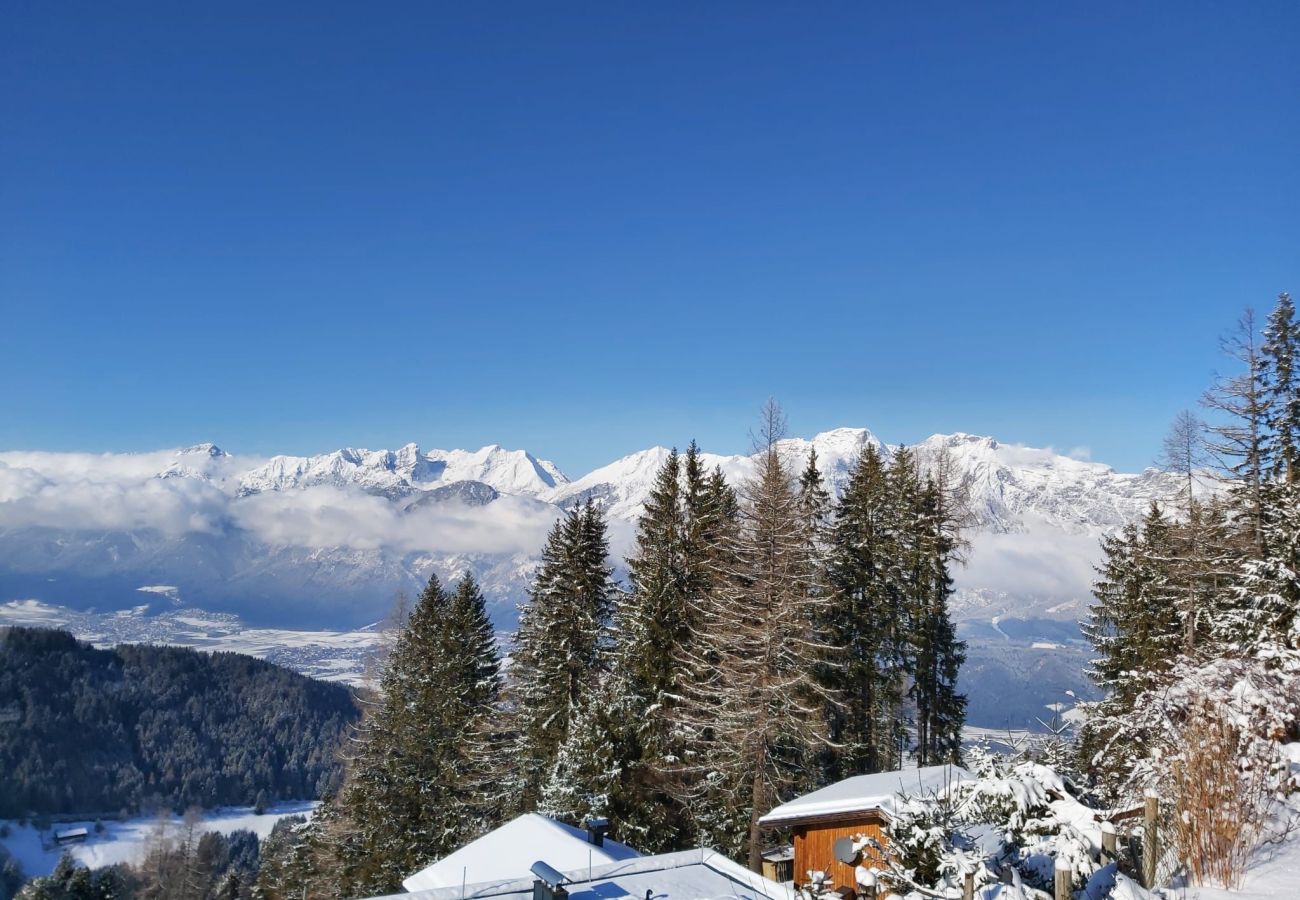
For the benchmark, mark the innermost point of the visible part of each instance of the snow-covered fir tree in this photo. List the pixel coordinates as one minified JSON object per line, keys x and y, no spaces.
{"x":561,"y":650}
{"x":1134,"y":625}
{"x":616,"y":761}
{"x":863,"y":624}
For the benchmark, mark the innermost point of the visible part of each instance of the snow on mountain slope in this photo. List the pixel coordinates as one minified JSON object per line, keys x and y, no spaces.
{"x":399,"y":473}
{"x":333,"y":536}
{"x":1010,"y":485}
{"x":623,"y":485}
{"x":1012,"y":488}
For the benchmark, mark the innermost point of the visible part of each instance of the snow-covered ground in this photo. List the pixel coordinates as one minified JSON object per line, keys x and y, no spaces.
{"x":1274,"y":876}
{"x":124,"y":841}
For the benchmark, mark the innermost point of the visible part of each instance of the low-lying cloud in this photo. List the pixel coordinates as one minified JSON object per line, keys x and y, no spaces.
{"x":78,"y":502}
{"x":83,"y":492}
{"x":1042,"y":561}
{"x":332,"y":517}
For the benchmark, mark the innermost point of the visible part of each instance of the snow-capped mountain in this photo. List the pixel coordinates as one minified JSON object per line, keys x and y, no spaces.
{"x":337,"y":534}
{"x":399,"y":473}
{"x":1010,"y":487}
{"x":623,"y":485}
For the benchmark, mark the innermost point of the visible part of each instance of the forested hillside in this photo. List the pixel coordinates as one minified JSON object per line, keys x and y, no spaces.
{"x":140,"y":727}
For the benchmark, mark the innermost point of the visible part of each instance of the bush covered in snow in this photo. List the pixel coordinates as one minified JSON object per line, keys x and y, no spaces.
{"x":1212,"y":740}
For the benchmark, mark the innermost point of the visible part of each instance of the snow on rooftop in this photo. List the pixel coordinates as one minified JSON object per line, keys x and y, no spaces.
{"x":507,"y":854}
{"x":867,"y":792}
{"x":684,"y":875}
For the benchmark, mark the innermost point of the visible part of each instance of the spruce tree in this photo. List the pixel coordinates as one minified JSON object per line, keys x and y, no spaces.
{"x":814,"y":504}
{"x":1263,"y":606}
{"x":407,"y":799}
{"x":935,"y":652}
{"x":1135,"y":626}
{"x":560,"y":651}
{"x":862,"y":623}
{"x":712,"y":513}
{"x":471,"y":628}
{"x":595,"y":769}
{"x":616,"y":759}
{"x":1281,"y":384}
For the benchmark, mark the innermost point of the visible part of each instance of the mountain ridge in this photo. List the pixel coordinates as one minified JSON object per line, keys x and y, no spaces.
{"x":345,"y":530}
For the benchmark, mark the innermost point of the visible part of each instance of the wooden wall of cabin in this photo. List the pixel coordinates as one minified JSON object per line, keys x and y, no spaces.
{"x":814,"y":848}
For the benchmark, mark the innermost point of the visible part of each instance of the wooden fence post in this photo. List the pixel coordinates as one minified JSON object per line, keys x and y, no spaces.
{"x":1150,"y":840}
{"x":1109,"y":843}
{"x":968,"y":887}
{"x":1064,"y":880}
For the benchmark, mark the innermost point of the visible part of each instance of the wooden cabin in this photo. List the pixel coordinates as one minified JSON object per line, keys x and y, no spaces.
{"x":861,"y":806}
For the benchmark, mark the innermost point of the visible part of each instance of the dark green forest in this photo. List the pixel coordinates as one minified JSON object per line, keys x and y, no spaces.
{"x":144,"y":727}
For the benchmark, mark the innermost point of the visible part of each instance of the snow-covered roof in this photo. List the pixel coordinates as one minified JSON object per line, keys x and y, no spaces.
{"x":684,"y":875}
{"x":507,"y":853}
{"x":863,"y":793}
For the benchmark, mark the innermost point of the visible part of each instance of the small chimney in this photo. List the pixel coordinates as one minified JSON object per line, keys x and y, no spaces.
{"x":549,"y":883}
{"x":596,"y":831}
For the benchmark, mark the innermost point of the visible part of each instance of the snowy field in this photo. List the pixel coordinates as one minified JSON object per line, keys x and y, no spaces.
{"x":124,"y":841}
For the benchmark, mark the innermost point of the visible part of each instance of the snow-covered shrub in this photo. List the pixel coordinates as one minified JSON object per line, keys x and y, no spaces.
{"x":921,"y":837}
{"x":1222,"y":801}
{"x":1209,"y":741}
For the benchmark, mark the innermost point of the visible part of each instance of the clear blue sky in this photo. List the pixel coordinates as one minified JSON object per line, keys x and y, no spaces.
{"x":588,"y":228}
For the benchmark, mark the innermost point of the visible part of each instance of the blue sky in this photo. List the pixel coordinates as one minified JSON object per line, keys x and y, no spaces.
{"x":589,"y":228}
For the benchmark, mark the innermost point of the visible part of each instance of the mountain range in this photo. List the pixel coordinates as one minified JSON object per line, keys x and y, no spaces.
{"x":327,"y":541}
{"x":331,"y":538}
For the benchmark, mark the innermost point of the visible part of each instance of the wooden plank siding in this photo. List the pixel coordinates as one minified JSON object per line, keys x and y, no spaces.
{"x":814,"y":848}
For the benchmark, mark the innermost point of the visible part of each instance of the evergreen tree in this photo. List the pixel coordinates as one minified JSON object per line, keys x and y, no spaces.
{"x":712,"y":512}
{"x":1262,"y":608}
{"x":863,"y":624}
{"x":482,"y":738}
{"x":1281,"y":383}
{"x":614,"y":761}
{"x":1135,"y":626}
{"x":560,"y":649}
{"x":814,"y":505}
{"x":756,"y":710}
{"x":408,"y":798}
{"x":597,"y":769}
{"x":936,"y":653}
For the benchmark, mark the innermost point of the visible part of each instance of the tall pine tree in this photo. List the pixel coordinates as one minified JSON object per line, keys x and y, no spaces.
{"x":560,"y":652}
{"x":409,"y":796}
{"x":935,"y":652}
{"x":863,"y":623}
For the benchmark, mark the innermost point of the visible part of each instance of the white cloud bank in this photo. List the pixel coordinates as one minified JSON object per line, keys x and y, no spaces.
{"x":124,"y":492}
{"x":1042,"y":561}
